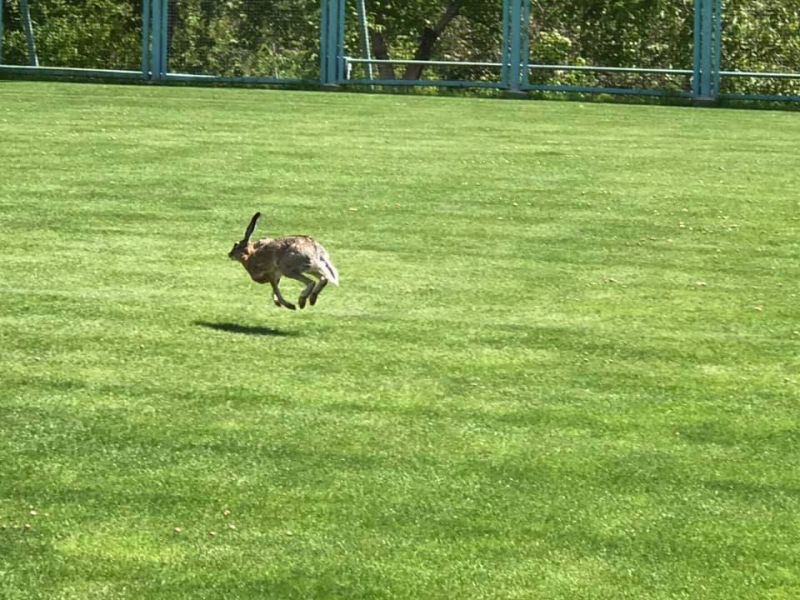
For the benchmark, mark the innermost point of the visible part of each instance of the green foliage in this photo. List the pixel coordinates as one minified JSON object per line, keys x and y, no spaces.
{"x":652,"y":33}
{"x":655,"y":33}
{"x":762,"y":36}
{"x":234,"y":38}
{"x":99,"y":34}
{"x":622,"y":33}
{"x":280,"y":38}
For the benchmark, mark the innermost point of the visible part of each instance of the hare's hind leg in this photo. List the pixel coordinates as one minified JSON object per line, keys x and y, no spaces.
{"x":309,"y":283}
{"x":323,"y":281}
{"x":278,"y":298}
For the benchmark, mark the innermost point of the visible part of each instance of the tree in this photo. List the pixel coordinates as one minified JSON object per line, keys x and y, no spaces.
{"x":99,"y":34}
{"x":415,"y":28}
{"x":278,"y":38}
{"x":281,"y":37}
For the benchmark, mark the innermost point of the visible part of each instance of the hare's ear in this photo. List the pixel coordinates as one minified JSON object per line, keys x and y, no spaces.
{"x":251,"y":228}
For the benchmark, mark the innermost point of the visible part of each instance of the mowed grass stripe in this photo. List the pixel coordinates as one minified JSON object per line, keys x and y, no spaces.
{"x":562,"y":363}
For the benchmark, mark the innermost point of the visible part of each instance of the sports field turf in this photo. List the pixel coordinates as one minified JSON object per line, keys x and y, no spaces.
{"x":563,"y":362}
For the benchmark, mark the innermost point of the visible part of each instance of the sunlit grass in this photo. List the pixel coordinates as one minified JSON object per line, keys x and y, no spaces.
{"x":562,"y":362}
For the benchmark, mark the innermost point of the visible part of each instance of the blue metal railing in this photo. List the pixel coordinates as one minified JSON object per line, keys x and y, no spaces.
{"x":514,"y":69}
{"x":2,"y":29}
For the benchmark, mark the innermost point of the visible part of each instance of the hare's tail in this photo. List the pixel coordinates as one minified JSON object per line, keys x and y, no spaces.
{"x":330,"y":271}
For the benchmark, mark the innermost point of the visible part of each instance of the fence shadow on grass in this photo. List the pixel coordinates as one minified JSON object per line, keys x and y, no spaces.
{"x":245,"y":329}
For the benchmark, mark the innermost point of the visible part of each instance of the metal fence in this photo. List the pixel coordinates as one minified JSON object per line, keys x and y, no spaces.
{"x":695,"y":49}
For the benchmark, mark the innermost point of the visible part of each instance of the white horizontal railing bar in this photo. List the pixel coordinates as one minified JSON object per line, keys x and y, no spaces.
{"x":68,"y":71}
{"x":434,"y":63}
{"x":612,"y":69}
{"x":760,"y":74}
{"x":445,"y":63}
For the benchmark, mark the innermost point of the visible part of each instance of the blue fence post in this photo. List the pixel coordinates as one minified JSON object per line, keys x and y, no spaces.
{"x":698,"y":8}
{"x":340,"y":62}
{"x":505,"y":55}
{"x":155,"y":37}
{"x":332,"y":35}
{"x":515,"y":55}
{"x":717,"y":49}
{"x":705,"y":85}
{"x":323,"y":42}
{"x":163,"y":65}
{"x":158,"y":37}
{"x":525,"y":32}
{"x":325,"y":72}
{"x":145,"y":39}
{"x":707,"y":51}
{"x":2,"y":5}
{"x":331,"y":44}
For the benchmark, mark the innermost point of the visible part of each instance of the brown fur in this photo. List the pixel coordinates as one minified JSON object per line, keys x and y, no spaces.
{"x":296,"y":257}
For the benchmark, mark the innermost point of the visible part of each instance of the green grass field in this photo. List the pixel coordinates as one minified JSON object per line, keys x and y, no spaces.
{"x":562,"y":364}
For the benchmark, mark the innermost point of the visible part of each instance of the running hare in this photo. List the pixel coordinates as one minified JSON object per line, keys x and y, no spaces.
{"x":295,"y":256}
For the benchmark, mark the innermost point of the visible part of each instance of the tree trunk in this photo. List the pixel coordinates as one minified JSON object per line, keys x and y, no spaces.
{"x":430,"y":37}
{"x":379,"y":48}
{"x":381,"y":52}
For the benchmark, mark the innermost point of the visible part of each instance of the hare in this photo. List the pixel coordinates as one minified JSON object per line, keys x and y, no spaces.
{"x":294,"y":256}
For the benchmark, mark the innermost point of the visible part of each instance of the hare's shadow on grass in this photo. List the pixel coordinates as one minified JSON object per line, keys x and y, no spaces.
{"x":245,"y":329}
